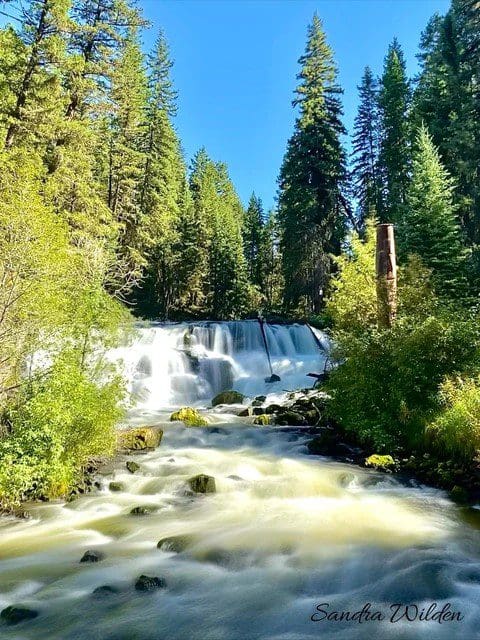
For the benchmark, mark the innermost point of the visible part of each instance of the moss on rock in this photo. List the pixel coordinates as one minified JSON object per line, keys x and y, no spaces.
{"x":379,"y":462}
{"x":228,"y":397}
{"x":190,"y":417}
{"x":262,"y":419}
{"x":140,"y":438}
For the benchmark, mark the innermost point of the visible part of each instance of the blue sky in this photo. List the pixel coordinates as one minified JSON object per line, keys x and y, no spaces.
{"x":236,"y":62}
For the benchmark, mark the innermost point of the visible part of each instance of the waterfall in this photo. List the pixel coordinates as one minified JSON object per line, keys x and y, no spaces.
{"x":170,"y":365}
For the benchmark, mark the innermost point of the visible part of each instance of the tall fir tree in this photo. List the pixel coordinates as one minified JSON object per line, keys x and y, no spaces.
{"x":430,"y":226}
{"x":394,"y":157}
{"x":311,"y":204}
{"x":365,"y":148}
{"x":252,"y":238}
{"x":270,"y":264}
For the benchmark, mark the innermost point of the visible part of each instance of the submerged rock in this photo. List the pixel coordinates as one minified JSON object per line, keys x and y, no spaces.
{"x":262,"y":419}
{"x":177,"y":544}
{"x":190,"y":417}
{"x":149,"y":583}
{"x":104,"y":590}
{"x":92,"y":556}
{"x":132,"y":466}
{"x":202,"y":484}
{"x":140,"y":438}
{"x":228,"y":397}
{"x":143,"y":510}
{"x":116,"y":486}
{"x":13,"y":615}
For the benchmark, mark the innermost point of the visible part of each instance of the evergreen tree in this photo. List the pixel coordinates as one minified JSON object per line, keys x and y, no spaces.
{"x":365,"y":148}
{"x":311,"y":205}
{"x":447,"y":100}
{"x":162,"y":190}
{"x":127,"y":154}
{"x":270,"y":264}
{"x":394,"y":100}
{"x":252,"y":237}
{"x":430,"y":227}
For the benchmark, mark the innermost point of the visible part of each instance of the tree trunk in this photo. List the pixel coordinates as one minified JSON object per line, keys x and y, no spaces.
{"x":386,"y":267}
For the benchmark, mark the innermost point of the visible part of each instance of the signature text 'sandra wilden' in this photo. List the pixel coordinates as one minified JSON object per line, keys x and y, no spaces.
{"x":396,"y":612}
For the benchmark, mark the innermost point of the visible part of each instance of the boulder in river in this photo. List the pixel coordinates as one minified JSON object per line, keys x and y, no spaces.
{"x":228,"y":397}
{"x":132,"y":466}
{"x":177,"y":544}
{"x":378,"y":461}
{"x":262,"y":419}
{"x":116,"y":486}
{"x":190,"y":417}
{"x":92,"y":556}
{"x":202,"y":484}
{"x":13,"y":615}
{"x":149,"y":583}
{"x":143,"y":510}
{"x":140,"y":438}
{"x":290,"y":418}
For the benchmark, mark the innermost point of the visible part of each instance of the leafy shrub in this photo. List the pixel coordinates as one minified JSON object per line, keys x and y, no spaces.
{"x":456,"y":429}
{"x":57,"y":423}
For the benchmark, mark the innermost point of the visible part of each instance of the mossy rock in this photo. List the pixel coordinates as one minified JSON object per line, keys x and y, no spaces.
{"x":116,"y":486}
{"x":190,"y":417}
{"x":262,"y":419}
{"x":140,"y":438}
{"x":177,"y":544}
{"x":143,"y":510}
{"x":378,"y":461}
{"x":132,"y":466}
{"x":149,"y":583}
{"x":290,"y":418}
{"x":459,"y":495}
{"x":202,"y":484}
{"x":228,"y":397}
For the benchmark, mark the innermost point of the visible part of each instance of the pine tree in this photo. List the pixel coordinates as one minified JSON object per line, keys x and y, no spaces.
{"x":127,"y":155}
{"x":430,"y":227}
{"x":394,"y":100}
{"x":311,"y":205}
{"x":270,"y":264}
{"x":252,"y":236}
{"x":161,"y":191}
{"x":365,"y":148}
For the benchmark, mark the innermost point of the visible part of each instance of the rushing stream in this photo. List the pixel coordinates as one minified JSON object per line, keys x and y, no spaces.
{"x":284,"y":532}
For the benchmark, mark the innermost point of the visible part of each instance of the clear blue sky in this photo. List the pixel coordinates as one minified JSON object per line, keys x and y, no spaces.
{"x":236,"y":62}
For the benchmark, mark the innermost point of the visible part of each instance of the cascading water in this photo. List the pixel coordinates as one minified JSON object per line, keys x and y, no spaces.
{"x":169,"y":365}
{"x":283,"y":533}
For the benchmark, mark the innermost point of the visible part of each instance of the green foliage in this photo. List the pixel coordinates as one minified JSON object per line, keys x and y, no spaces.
{"x":455,"y":431}
{"x":385,"y":390}
{"x":394,"y":99}
{"x":311,"y":204}
{"x":58,"y":422}
{"x":429,"y":227}
{"x":352,"y":305}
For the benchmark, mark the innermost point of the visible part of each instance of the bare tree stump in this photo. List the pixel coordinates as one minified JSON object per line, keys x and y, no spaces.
{"x":386,"y":267}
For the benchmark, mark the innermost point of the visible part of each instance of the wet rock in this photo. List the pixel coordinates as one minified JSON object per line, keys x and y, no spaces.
{"x":92,"y":556}
{"x":262,"y":419}
{"x":14,"y":615}
{"x":260,"y":398}
{"x":177,"y":544}
{"x":202,"y":484}
{"x":190,"y":417}
{"x":290,"y":418}
{"x":234,"y":477}
{"x":324,"y":444}
{"x":132,"y":466}
{"x":228,"y":397}
{"x":140,"y":438}
{"x":149,"y":583}
{"x":381,"y":462}
{"x":345,"y":479}
{"x":116,"y":486}
{"x":273,"y":408}
{"x":245,"y":413}
{"x":143,"y":510}
{"x":459,"y":495}
{"x":105,"y":590}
